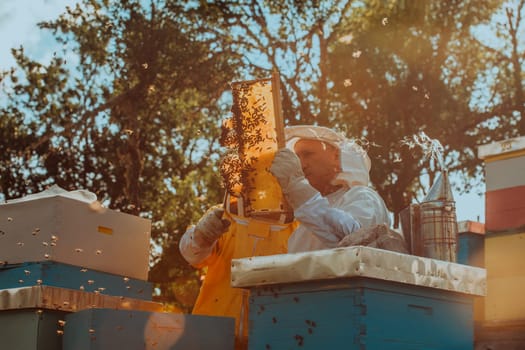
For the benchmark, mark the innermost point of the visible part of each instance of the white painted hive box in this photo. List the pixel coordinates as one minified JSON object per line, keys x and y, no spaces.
{"x":75,"y":232}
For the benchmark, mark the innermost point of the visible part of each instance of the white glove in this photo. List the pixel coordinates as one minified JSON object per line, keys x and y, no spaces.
{"x":286,"y":167}
{"x":210,"y":227}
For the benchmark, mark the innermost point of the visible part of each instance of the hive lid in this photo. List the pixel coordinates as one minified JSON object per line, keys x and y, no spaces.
{"x":468,"y":226}
{"x":501,"y":148}
{"x":358,"y":261}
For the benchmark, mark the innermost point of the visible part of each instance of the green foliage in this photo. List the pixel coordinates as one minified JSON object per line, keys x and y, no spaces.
{"x":135,"y":118}
{"x":383,"y":71}
{"x":413,"y":67}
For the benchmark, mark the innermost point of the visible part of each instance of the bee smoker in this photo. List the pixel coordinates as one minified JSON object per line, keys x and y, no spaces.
{"x":430,"y":228}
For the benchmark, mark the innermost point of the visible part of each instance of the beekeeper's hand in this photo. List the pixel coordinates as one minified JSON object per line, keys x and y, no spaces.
{"x":210,"y":227}
{"x":286,"y":167}
{"x":364,"y":236}
{"x":379,"y":236}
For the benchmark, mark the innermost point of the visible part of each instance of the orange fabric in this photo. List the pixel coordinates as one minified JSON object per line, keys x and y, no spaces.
{"x":217,"y":297}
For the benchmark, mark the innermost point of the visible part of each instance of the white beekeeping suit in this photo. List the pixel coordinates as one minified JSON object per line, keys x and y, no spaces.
{"x":325,"y":220}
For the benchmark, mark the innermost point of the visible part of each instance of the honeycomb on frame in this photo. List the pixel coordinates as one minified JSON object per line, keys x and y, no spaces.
{"x":253,"y":134}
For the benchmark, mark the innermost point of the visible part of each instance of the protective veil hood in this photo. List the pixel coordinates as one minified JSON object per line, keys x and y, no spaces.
{"x":355,"y":163}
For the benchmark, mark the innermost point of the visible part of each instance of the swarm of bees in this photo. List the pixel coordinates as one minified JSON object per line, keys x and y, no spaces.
{"x":246,"y":135}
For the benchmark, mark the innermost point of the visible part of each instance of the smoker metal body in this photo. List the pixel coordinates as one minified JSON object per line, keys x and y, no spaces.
{"x":430,"y":228}
{"x":439,"y":233}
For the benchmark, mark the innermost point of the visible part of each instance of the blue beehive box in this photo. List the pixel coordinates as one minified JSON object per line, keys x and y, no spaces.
{"x":31,"y":329}
{"x":358,"y":298}
{"x":103,"y":329}
{"x":471,"y":249}
{"x":56,"y":274}
{"x":471,"y":243}
{"x":33,"y":318}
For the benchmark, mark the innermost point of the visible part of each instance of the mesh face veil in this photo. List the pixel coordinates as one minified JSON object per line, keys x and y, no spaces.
{"x":355,"y":163}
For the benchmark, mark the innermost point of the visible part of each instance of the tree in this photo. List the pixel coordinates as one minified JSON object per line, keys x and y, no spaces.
{"x":348,"y":64}
{"x":134,"y":118}
{"x":418,"y":67}
{"x":290,"y":36}
{"x":504,"y":79}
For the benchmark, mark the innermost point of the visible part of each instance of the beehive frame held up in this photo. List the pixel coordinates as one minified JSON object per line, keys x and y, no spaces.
{"x":258,"y":132}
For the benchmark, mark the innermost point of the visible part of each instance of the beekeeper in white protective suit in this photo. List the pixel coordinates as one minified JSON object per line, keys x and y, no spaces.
{"x":324,"y":177}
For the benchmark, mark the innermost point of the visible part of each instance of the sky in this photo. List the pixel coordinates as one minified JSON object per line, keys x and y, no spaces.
{"x":18,"y":26}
